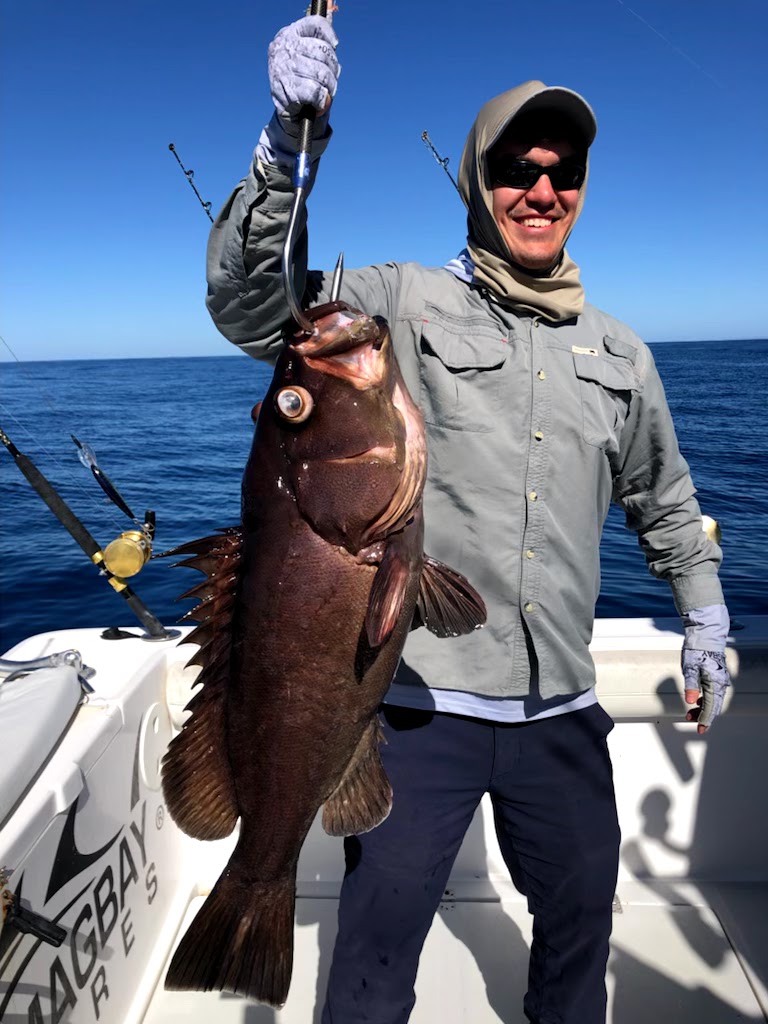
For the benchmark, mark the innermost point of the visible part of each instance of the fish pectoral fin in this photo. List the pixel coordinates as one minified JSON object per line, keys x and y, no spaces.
{"x":388,"y":592}
{"x":363,"y":798}
{"x":447,"y":603}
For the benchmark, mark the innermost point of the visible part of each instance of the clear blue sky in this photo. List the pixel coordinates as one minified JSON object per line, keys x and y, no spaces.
{"x":103,"y":242}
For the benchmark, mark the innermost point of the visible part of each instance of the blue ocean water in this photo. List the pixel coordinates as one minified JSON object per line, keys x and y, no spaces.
{"x":174,"y":434}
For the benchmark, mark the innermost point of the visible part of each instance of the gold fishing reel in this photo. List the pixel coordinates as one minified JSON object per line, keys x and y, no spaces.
{"x":130,"y":552}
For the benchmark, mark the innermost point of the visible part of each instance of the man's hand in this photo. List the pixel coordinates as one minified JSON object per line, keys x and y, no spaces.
{"x":303,"y":69}
{"x":703,"y":662}
{"x":706,"y":680}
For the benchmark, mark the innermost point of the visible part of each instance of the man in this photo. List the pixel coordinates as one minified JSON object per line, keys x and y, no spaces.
{"x":540,"y":410}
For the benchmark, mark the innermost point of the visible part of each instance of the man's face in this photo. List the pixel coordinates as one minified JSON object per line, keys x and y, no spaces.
{"x":535,"y":222}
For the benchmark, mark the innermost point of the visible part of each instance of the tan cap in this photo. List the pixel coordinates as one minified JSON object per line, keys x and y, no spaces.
{"x":533,"y":96}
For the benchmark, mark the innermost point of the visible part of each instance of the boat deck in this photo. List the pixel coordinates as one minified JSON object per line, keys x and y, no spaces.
{"x":90,"y":845}
{"x":700,"y":959}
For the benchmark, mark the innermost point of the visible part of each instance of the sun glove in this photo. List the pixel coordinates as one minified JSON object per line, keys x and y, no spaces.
{"x":703,"y":658}
{"x":303,"y":69}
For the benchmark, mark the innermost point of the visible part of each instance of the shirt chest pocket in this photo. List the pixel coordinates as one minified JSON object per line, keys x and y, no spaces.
{"x":461,"y":376}
{"x":606,"y":383}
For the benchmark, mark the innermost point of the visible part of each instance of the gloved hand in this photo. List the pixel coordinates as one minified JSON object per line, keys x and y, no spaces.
{"x":303,"y":69}
{"x":703,"y":662}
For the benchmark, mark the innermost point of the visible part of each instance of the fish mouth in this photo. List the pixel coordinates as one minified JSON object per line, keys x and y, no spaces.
{"x":347,"y":344}
{"x":358,"y":348}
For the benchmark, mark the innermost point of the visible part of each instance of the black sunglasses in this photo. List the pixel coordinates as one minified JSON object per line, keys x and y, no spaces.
{"x":512,"y":173}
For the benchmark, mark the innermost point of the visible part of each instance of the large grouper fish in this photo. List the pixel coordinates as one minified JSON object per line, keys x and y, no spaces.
{"x":303,"y":616}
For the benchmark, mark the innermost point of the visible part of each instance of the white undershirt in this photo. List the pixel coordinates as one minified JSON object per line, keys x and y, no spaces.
{"x":495,"y":709}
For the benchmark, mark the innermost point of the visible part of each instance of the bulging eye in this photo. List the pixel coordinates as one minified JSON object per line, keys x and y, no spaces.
{"x":294,"y":404}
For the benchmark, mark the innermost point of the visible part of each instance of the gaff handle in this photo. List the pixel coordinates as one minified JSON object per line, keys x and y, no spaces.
{"x":306,"y":120}
{"x":302,"y":170}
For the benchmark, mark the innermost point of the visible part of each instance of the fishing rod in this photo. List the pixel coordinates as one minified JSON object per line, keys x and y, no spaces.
{"x":189,"y":175}
{"x":126,"y":555}
{"x":442,"y":160}
{"x":87,"y":457}
{"x":122,"y":558}
{"x":130,"y":552}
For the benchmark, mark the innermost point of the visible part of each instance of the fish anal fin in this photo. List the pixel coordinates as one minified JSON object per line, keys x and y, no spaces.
{"x":197,"y":779}
{"x":448,"y":605}
{"x":363,"y":798}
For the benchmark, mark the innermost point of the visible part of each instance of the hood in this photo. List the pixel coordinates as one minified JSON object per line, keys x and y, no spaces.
{"x":557,"y":294}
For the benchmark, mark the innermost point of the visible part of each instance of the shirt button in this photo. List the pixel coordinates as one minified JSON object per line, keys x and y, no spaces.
{"x":530,"y":554}
{"x":533,"y":495}
{"x":539,"y":435}
{"x":541,"y":375}
{"x":528,"y":606}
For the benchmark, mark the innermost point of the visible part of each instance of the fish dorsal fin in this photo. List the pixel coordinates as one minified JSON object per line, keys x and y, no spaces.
{"x":363,"y":798}
{"x":197,"y":781}
{"x":447,"y":603}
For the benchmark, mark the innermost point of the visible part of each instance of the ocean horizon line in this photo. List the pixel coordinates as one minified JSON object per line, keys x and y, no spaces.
{"x":233,"y":351}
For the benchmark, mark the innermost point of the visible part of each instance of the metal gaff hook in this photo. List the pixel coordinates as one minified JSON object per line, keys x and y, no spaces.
{"x":301,"y":175}
{"x":290,"y":241}
{"x":338,"y":273}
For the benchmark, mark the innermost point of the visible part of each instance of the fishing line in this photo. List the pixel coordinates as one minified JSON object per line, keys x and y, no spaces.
{"x":63,"y":467}
{"x":670,"y":44}
{"x":48,"y":401}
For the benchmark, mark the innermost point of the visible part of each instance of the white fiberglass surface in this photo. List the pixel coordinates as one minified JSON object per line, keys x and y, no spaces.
{"x":474,"y":965}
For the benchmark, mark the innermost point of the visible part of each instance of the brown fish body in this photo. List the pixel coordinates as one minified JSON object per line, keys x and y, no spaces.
{"x":302,"y":703}
{"x":304,"y":615}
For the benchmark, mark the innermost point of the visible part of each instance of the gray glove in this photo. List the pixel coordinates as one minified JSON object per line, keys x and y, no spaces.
{"x":703,"y":662}
{"x":303,"y":69}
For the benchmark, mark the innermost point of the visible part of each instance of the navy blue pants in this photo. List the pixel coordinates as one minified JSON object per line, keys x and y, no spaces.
{"x":551,"y":786}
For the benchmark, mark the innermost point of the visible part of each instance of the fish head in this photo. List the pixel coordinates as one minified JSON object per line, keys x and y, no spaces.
{"x":351,"y":439}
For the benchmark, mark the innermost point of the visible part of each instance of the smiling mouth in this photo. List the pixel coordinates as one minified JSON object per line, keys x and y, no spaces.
{"x":535,"y":222}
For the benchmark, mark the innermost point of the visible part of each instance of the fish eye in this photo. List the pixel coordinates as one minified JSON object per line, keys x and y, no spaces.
{"x":294,"y":404}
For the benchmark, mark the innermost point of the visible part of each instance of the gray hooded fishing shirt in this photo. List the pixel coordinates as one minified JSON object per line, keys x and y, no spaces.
{"x":532,"y":427}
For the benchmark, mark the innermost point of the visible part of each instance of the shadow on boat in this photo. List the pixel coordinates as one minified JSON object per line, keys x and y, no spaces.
{"x":699,"y":831}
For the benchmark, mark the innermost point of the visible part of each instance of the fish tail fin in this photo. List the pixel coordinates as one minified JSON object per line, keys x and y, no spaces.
{"x":240,"y":941}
